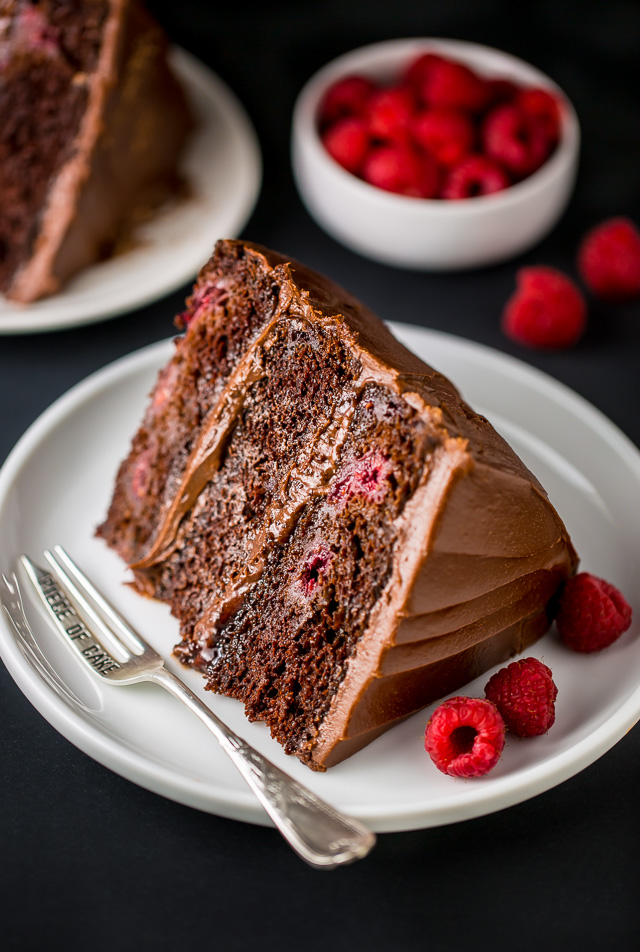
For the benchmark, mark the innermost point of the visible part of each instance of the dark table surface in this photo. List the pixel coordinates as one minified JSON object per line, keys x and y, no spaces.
{"x":91,"y":861}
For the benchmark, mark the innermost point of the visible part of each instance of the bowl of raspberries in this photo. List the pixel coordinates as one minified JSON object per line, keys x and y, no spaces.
{"x":434,"y":154}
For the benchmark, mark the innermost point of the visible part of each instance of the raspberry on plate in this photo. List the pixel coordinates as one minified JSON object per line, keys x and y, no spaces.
{"x":592,"y":613}
{"x":525,"y":693}
{"x":465,"y":736}
{"x":546,"y":311}
{"x":609,"y":260}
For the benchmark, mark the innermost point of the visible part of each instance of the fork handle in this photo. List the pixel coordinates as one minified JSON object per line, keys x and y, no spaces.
{"x":321,"y":835}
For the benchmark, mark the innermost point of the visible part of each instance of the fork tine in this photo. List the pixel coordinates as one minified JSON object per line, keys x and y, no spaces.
{"x":87,"y":611}
{"x":91,"y":593}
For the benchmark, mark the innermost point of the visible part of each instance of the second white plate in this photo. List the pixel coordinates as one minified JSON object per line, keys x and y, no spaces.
{"x":55,"y":488}
{"x":223,"y":169}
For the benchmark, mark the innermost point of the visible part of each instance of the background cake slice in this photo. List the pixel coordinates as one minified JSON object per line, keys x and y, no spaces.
{"x":342,"y":538}
{"x":92,"y":125}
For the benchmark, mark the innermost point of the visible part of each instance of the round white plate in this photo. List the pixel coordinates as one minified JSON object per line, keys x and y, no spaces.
{"x":55,"y":487}
{"x":223,"y":168}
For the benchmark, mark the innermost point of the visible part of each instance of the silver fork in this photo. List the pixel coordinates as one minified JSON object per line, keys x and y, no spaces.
{"x":111,"y":648}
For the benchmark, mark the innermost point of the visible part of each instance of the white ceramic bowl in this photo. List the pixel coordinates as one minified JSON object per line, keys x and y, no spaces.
{"x":426,"y":233}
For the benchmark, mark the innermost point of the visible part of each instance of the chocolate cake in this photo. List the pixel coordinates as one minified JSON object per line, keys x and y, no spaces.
{"x":92,"y":124}
{"x":341,"y":537}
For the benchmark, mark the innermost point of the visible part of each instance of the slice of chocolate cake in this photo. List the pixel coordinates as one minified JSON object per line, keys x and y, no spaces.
{"x":342,"y":538}
{"x":92,"y":124}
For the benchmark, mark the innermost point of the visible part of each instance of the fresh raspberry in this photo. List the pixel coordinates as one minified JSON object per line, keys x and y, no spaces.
{"x":476,"y":175}
{"x":346,"y":97}
{"x":609,"y":260}
{"x":512,"y":138}
{"x":546,"y":311}
{"x":389,"y":112}
{"x":347,"y":141}
{"x":592,"y":613}
{"x":525,"y":693}
{"x":416,"y":75}
{"x":451,"y":85}
{"x":501,"y":91}
{"x":544,"y":109}
{"x":392,"y":168}
{"x":465,"y":736}
{"x":398,"y":168}
{"x":429,"y":177}
{"x":445,"y":134}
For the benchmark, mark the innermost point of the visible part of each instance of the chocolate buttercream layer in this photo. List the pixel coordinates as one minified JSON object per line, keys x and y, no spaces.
{"x":384,"y":702}
{"x":343,"y":539}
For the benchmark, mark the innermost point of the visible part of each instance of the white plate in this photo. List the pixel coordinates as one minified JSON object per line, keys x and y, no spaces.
{"x":223,"y":168}
{"x":55,"y":486}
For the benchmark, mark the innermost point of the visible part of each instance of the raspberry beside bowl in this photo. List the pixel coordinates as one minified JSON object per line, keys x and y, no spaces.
{"x":420,"y":233}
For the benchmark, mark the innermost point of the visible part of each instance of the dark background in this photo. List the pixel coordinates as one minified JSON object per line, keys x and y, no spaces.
{"x":136,"y":871}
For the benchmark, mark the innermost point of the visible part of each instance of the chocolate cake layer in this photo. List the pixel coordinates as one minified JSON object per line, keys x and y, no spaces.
{"x":92,"y":125}
{"x":342,"y":538}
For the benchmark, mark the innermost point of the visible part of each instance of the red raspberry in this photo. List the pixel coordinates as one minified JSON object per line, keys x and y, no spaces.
{"x":204,"y":299}
{"x":347,"y":141}
{"x":445,"y":134}
{"x":546,"y":311}
{"x":392,"y":168}
{"x":609,"y":260}
{"x":474,"y":176}
{"x":512,"y":138}
{"x":451,"y":85}
{"x":368,"y":476}
{"x":389,"y":112}
{"x":592,"y":613}
{"x":416,"y":75}
{"x":544,"y":109}
{"x":314,"y":570}
{"x":525,"y":693}
{"x":399,"y":169}
{"x":346,"y":97}
{"x":465,"y":736}
{"x":429,"y":177}
{"x":501,"y":91}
